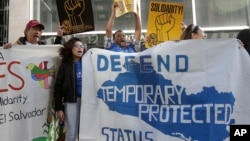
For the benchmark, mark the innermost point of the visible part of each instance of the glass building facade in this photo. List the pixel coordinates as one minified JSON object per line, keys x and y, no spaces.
{"x":218,"y":18}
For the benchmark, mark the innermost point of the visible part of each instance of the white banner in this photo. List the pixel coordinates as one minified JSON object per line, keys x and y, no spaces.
{"x":26,"y":79}
{"x":175,"y":91}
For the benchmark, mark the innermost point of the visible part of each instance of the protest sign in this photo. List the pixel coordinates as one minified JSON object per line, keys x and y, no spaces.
{"x":164,"y":22}
{"x":126,"y":6}
{"x":75,"y":16}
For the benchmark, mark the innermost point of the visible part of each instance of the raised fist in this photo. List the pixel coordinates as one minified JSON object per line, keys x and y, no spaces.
{"x":164,"y":24}
{"x":74,"y":10}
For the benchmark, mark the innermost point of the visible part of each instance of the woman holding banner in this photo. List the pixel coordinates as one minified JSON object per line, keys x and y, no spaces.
{"x":193,"y":32}
{"x":244,"y":37}
{"x":68,"y":86}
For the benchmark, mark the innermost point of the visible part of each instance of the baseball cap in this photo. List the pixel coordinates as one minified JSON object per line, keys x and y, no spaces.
{"x":34,"y":23}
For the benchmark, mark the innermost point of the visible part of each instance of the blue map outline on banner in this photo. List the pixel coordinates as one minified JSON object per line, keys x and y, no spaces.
{"x":211,"y":129}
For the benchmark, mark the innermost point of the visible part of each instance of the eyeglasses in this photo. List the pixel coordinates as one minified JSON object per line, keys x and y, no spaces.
{"x":79,"y":46}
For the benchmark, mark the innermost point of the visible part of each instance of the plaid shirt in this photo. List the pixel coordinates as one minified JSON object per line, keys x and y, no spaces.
{"x":109,"y":41}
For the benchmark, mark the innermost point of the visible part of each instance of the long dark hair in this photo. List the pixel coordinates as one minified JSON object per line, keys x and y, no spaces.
{"x":244,"y":37}
{"x":187,"y":33}
{"x":66,"y":51}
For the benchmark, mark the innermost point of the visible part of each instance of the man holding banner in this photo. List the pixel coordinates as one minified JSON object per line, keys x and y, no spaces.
{"x":32,"y":34}
{"x":118,"y":42}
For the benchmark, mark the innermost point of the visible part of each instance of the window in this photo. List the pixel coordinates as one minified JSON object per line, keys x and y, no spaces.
{"x":221,"y":13}
{"x":219,"y":18}
{"x":46,"y":12}
{"x":4,"y":21}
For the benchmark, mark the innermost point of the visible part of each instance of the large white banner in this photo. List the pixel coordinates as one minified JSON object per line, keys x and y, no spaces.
{"x":27,"y":74}
{"x":175,"y":91}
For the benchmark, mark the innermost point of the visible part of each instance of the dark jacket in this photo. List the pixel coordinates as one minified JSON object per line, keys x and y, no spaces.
{"x":65,"y":87}
{"x":22,"y":40}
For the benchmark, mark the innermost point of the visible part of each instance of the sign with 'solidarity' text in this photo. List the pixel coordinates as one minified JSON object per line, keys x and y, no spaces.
{"x":186,"y":90}
{"x":164,"y":22}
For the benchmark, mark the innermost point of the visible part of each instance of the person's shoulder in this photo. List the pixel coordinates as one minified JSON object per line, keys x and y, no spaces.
{"x":66,"y":64}
{"x":113,"y":46}
{"x":41,"y":43}
{"x":20,"y":41}
{"x":132,"y":47}
{"x":132,"y":44}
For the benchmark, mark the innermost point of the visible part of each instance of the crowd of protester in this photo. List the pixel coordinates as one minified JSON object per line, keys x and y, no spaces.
{"x":67,"y":103}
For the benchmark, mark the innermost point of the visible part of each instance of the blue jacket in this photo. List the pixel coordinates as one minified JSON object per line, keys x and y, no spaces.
{"x":117,"y":48}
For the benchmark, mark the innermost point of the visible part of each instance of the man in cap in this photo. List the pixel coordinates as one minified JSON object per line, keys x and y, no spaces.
{"x":33,"y":33}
